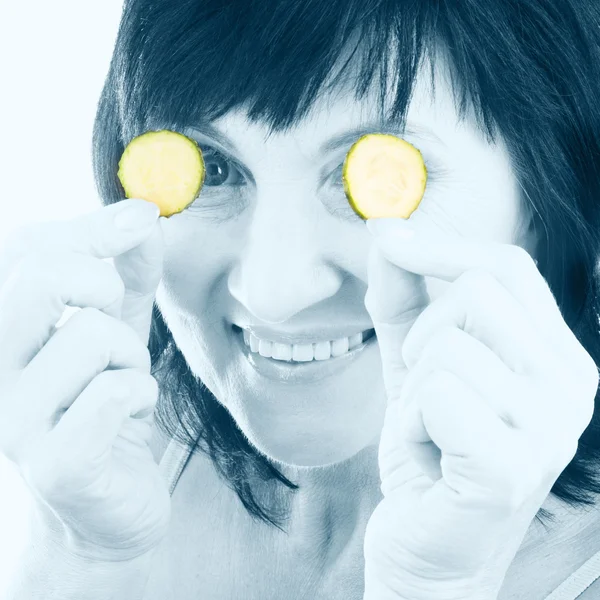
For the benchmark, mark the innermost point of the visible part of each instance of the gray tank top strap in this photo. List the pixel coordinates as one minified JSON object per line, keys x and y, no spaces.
{"x":173,"y":462}
{"x":579,"y":581}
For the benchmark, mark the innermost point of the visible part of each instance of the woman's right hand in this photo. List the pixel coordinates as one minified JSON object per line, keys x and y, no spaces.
{"x":77,"y":402}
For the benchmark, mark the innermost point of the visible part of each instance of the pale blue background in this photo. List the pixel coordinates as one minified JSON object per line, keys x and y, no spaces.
{"x":54,"y":55}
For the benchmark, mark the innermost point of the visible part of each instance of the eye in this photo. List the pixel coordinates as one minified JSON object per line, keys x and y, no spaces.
{"x":337,"y":202}
{"x":222,"y":196}
{"x":220,"y":171}
{"x":337,"y":181}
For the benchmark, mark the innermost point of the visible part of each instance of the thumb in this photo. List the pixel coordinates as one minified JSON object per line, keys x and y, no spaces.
{"x":394,"y":299}
{"x":140,"y":269}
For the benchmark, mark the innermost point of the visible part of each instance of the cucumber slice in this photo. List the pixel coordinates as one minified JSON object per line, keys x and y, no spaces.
{"x":163,"y":167}
{"x":384,"y":176}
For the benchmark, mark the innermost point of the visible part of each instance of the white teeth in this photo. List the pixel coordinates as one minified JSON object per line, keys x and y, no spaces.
{"x":281,"y":351}
{"x":302,"y":352}
{"x":339,"y":347}
{"x":322,"y":350}
{"x":265,"y":348}
{"x":355,"y":340}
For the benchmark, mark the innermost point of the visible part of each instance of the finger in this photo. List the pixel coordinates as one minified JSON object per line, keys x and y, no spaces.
{"x":449,"y":413}
{"x":485,"y":309}
{"x":447,"y":257}
{"x":453,"y":350}
{"x":483,"y":462}
{"x":536,"y":404}
{"x":103,"y":233}
{"x":87,"y":344}
{"x":36,"y":293}
{"x":95,"y":419}
{"x":140,"y":269}
{"x":463,"y":423}
{"x":394,"y":300}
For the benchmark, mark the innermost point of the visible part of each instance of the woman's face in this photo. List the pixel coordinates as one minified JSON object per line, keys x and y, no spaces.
{"x":272,"y":247}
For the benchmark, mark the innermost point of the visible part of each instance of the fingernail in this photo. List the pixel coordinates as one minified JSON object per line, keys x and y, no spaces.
{"x":390,"y":226}
{"x":137,"y":215}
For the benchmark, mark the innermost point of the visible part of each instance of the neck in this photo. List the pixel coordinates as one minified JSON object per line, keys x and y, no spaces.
{"x":553,"y":550}
{"x":333,"y":503}
{"x":567,"y":525}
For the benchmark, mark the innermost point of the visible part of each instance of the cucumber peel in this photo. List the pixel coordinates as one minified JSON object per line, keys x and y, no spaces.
{"x":163,"y":167}
{"x":384,"y":176}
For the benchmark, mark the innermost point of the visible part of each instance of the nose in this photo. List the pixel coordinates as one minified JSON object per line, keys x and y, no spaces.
{"x":282,"y":268}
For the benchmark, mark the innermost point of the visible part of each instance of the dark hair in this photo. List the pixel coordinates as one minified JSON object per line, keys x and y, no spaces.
{"x":530,"y":70}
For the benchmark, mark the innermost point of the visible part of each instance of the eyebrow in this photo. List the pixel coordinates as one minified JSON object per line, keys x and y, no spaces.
{"x":345,"y":138}
{"x":393,"y":127}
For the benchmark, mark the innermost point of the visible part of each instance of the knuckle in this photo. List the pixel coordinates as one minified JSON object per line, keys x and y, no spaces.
{"x":92,"y":321}
{"x":93,"y":331}
{"x":552,"y":455}
{"x":503,"y":493}
{"x":477,"y":278}
{"x":138,"y":350}
{"x":101,"y":331}
{"x":518,"y":484}
{"x":142,"y":391}
{"x":515,"y":475}
{"x":136,"y":379}
{"x":517,"y":257}
{"x":145,"y":383}
{"x":439,"y":380}
{"x":108,"y":380}
{"x":55,"y":271}
{"x":443,"y":341}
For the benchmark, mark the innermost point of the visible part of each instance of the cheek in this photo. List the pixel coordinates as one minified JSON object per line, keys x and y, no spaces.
{"x":483,"y":205}
{"x":348,"y":247}
{"x":195,"y":259}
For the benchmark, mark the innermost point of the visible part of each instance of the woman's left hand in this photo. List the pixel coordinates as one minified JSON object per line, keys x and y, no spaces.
{"x":488,"y":393}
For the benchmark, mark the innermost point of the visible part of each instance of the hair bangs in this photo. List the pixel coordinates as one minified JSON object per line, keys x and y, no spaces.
{"x":190,"y":62}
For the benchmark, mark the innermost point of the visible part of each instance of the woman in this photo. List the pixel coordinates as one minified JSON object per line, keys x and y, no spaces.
{"x":434,"y":435}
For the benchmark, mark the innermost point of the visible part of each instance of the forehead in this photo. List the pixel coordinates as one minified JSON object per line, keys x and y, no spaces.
{"x":431,"y":113}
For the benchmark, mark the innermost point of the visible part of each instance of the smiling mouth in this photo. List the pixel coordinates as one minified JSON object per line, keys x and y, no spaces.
{"x":305,"y":352}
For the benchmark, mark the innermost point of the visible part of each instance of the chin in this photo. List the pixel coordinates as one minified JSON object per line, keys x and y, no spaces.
{"x":316,"y":442}
{"x":316,"y":423}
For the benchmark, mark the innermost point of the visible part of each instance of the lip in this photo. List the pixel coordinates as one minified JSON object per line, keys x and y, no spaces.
{"x":326,"y":333}
{"x":300,"y":372}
